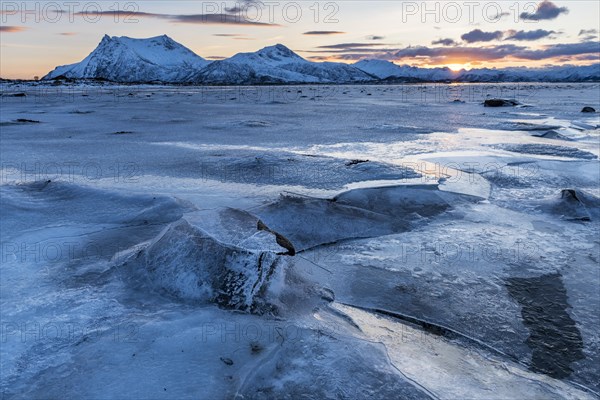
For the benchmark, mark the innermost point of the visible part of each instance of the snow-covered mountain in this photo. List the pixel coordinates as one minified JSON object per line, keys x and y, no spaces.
{"x":566,"y":73}
{"x":277,"y":64}
{"x":161,"y":59}
{"x":124,"y":59}
{"x":387,"y":70}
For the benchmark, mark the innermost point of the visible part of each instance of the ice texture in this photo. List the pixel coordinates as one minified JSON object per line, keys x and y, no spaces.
{"x":299,"y":242}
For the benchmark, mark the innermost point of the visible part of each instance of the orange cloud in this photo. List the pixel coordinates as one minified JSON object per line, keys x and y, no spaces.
{"x":12,"y":29}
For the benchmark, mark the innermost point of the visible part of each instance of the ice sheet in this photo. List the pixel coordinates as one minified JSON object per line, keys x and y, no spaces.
{"x":394,"y":198}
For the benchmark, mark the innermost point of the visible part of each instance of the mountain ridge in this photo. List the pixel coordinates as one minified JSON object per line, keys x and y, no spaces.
{"x":162,"y":59}
{"x":277,"y":65}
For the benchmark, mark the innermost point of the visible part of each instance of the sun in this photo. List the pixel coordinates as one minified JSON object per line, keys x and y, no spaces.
{"x":456,"y":67}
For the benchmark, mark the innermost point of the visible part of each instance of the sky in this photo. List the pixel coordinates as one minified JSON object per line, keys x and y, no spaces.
{"x":37,"y":36}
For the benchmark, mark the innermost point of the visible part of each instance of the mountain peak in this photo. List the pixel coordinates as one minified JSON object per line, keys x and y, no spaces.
{"x":279,"y":47}
{"x":106,"y":39}
{"x":161,"y":38}
{"x":126,"y":59}
{"x":277,"y":52}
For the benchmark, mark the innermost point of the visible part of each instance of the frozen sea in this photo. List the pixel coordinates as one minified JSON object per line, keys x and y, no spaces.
{"x":300,"y":242}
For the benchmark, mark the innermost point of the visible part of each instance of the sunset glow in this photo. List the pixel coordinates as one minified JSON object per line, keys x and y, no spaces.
{"x":36,"y":37}
{"x":456,"y":67}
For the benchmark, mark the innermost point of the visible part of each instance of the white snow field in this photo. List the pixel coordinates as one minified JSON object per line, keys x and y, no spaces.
{"x":299,"y":242}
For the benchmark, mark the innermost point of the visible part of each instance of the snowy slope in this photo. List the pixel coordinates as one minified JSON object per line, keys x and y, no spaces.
{"x":277,"y":64}
{"x":387,"y":70}
{"x":379,"y":68}
{"x":123,"y":59}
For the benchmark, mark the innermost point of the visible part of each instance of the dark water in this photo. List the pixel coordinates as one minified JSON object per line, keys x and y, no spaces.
{"x":554,"y":338}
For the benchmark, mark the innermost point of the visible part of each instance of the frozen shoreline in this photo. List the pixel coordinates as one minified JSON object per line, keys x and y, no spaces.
{"x":124,"y":167}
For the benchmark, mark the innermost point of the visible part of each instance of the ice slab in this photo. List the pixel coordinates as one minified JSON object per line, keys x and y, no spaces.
{"x":448,"y":371}
{"x":360,"y":213}
{"x":188,"y":264}
{"x":548,"y":150}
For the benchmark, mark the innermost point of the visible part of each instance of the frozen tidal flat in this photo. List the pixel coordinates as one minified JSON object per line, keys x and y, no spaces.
{"x":300,"y":242}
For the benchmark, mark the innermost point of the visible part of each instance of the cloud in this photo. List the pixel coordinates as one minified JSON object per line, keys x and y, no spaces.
{"x":234,"y":36}
{"x":460,"y":53}
{"x":67,"y":33}
{"x":478,"y":35}
{"x":444,"y":42}
{"x":464,"y":54}
{"x":318,"y":58}
{"x":118,"y":14}
{"x":12,"y":29}
{"x":375,"y":37}
{"x":350,"y":45}
{"x":323,"y":33}
{"x":588,"y":34}
{"x":209,"y":19}
{"x":501,"y":52}
{"x":234,"y":9}
{"x":243,"y":7}
{"x":500,"y":16}
{"x":562,"y":49}
{"x":588,"y":57}
{"x":216,"y":19}
{"x":546,"y":10}
{"x":349,"y":50}
{"x":528,"y":35}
